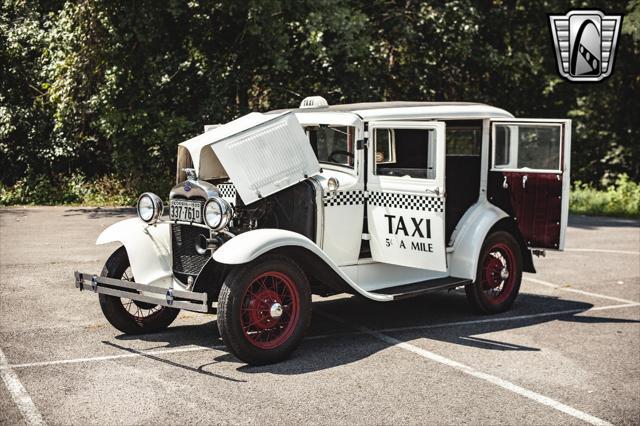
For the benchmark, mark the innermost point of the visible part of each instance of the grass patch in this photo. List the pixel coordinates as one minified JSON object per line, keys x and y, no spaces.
{"x":75,"y":190}
{"x":621,"y":199}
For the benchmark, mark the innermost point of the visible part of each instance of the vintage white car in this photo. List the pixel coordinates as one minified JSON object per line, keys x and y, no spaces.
{"x":386,"y":200}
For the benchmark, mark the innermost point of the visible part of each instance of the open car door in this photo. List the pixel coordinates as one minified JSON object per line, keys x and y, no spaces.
{"x":529,"y":177}
{"x":406,"y":194}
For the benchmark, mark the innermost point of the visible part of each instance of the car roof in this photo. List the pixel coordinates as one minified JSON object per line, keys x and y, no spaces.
{"x":408,"y":109}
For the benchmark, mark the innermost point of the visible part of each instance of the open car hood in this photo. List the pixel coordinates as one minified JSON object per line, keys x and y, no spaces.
{"x":260,"y":153}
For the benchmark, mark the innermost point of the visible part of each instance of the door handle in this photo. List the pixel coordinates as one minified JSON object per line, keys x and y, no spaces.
{"x":524,"y":181}
{"x":435,"y":191}
{"x":505,"y":184}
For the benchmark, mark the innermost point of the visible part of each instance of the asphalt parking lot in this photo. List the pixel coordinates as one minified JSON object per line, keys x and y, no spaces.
{"x":567,"y":353}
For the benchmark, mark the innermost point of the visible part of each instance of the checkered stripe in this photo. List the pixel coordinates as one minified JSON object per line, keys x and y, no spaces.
{"x":227,"y":190}
{"x":346,"y":198}
{"x":407,"y":201}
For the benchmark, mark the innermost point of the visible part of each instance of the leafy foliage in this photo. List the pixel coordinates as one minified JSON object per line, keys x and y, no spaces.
{"x":93,"y":90}
{"x":619,"y":199}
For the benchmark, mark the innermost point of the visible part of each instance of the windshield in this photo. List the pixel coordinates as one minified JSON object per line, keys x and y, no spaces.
{"x":333,"y":144}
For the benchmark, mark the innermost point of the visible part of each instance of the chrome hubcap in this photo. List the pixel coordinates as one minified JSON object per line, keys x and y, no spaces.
{"x":276,"y":310}
{"x":504,"y":274}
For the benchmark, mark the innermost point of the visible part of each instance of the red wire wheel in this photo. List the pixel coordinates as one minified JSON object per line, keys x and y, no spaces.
{"x":131,"y":316}
{"x":270,"y":310}
{"x":264,"y":309}
{"x":498,"y":277}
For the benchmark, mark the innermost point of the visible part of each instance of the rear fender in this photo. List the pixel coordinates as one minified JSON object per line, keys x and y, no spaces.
{"x":148,"y":248}
{"x":469,"y":237}
{"x":252,"y":244}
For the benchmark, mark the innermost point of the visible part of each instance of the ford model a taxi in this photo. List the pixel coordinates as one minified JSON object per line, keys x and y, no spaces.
{"x":386,"y":200}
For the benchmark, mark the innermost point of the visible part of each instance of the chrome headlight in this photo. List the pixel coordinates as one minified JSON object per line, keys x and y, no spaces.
{"x":150,"y":207}
{"x":217,"y":213}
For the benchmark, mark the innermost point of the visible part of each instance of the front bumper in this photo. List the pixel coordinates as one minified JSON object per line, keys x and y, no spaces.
{"x":180,"y":299}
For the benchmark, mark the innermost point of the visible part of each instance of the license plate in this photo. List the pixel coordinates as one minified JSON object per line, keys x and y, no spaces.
{"x":186,"y":211}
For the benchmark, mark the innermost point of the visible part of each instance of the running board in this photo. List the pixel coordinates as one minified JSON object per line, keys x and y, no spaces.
{"x":180,"y":299}
{"x":406,"y":291}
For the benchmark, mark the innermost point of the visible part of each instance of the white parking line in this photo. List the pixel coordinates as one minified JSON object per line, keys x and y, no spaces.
{"x":603,"y":251}
{"x":573,"y":290}
{"x":112,"y":357}
{"x":316,"y":337}
{"x":534,"y":396}
{"x":19,"y":393}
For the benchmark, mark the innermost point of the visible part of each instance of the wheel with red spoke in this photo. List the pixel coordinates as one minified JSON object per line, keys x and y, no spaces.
{"x":127,"y":315}
{"x":264,"y":308}
{"x":499,"y":274}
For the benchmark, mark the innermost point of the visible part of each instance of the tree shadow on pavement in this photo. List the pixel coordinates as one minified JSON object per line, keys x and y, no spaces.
{"x":336,"y":336}
{"x":439,"y":317}
{"x":100,"y":213}
{"x":595,"y":222}
{"x":181,"y":335}
{"x":146,"y":354}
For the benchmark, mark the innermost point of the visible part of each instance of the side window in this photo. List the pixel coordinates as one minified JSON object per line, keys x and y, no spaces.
{"x":502,"y":146}
{"x":332,"y":144}
{"x":464,"y":141}
{"x":539,"y":147}
{"x":405,"y":153}
{"x":385,"y":146}
{"x":527,"y":146}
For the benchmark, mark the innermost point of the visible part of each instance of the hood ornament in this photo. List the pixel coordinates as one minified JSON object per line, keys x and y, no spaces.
{"x":191,"y":173}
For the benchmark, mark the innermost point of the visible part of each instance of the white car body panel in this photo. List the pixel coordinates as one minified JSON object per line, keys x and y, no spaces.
{"x":260,"y":153}
{"x":267,"y":158}
{"x":148,"y":248}
{"x":204,"y":161}
{"x":343,"y":213}
{"x":252,"y":244}
{"x":335,"y":118}
{"x":406,"y":215}
{"x":469,"y":237}
{"x":565,"y":170}
{"x":466,"y":111}
{"x":372,"y":276}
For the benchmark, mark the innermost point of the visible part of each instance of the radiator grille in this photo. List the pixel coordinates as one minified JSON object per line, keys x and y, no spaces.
{"x":185,"y":258}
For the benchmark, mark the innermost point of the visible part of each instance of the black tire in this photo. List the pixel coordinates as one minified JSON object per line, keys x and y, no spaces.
{"x":116,"y":312}
{"x":238,"y":309}
{"x":491,"y":292}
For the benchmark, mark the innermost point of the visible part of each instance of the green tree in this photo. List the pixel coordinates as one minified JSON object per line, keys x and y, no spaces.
{"x":97,"y":88}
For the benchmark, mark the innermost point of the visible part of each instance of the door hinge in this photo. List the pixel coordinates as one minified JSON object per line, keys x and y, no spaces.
{"x":362,"y":144}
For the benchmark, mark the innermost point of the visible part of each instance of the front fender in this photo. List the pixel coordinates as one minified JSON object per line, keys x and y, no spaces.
{"x":250,"y":245}
{"x":148,"y":248}
{"x":474,"y":226}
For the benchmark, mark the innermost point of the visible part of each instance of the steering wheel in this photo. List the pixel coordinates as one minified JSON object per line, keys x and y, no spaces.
{"x":339,"y":152}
